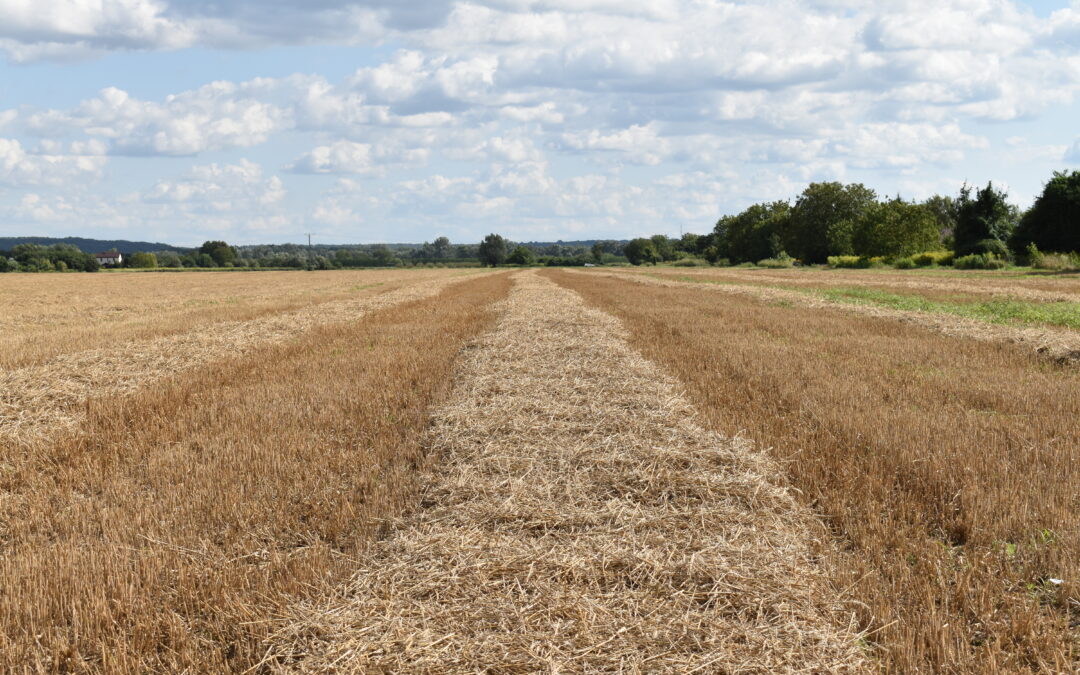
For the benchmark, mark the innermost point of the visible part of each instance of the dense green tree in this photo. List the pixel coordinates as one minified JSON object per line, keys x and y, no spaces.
{"x":665,"y":248}
{"x":895,"y":229}
{"x":521,"y":255}
{"x":383,"y":256}
{"x":220,"y":252}
{"x":751,"y":235}
{"x":597,"y":253}
{"x":38,"y":258}
{"x":819,"y":211}
{"x":168,"y":259}
{"x":492,"y":250}
{"x":142,"y":260}
{"x":443,"y":248}
{"x":946,"y":212}
{"x":689,"y":243}
{"x":1053,"y":223}
{"x":642,"y":250}
{"x":986,"y":217}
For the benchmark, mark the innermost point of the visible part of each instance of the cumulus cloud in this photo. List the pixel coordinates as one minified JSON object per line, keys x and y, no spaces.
{"x":347,"y":157}
{"x":581,"y":112}
{"x":218,"y":115}
{"x":21,"y":168}
{"x":228,"y":187}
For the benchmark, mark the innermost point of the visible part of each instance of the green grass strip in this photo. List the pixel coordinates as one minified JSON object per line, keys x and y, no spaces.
{"x":1064,"y":314}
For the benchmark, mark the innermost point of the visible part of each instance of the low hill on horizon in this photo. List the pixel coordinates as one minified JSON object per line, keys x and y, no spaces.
{"x":91,"y":245}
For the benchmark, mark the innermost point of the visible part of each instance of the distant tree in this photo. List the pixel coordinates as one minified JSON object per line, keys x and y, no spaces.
{"x":986,"y":217}
{"x":597,"y":252}
{"x":142,"y":260}
{"x":383,"y":256}
{"x":945,"y":211}
{"x":895,"y":229}
{"x":640,"y":251}
{"x":821,"y":209}
{"x":751,"y":235}
{"x":1053,"y":223}
{"x":521,"y":256}
{"x":168,"y":259}
{"x":442,"y":248}
{"x":8,"y":264}
{"x":665,"y":248}
{"x":689,"y":243}
{"x":220,"y":252}
{"x":492,"y":250}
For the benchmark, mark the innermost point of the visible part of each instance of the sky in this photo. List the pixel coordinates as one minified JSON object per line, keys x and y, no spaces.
{"x":370,"y":121}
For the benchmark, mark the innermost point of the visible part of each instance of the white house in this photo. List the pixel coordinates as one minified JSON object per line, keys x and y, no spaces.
{"x":110,"y":258}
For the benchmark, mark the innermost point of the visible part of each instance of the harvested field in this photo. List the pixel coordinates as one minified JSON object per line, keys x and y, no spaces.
{"x":944,"y":466}
{"x":48,"y":315}
{"x":579,"y":520}
{"x":1034,"y":288}
{"x":52,"y":395}
{"x":1053,"y":342}
{"x":171,"y":528}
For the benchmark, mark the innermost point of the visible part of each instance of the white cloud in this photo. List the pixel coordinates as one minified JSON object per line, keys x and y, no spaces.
{"x":347,"y":157}
{"x":565,"y":113}
{"x":218,"y":115}
{"x":19,"y":167}
{"x":219,"y":188}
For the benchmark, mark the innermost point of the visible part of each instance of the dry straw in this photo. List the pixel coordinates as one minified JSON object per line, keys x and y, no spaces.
{"x":46,"y":315}
{"x":1061,"y":345}
{"x":946,"y":469}
{"x":1039,"y":289}
{"x":579,"y":520}
{"x":51,"y":397}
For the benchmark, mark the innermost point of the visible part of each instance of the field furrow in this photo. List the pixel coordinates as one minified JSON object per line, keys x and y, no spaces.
{"x":580,"y":520}
{"x":51,"y":396}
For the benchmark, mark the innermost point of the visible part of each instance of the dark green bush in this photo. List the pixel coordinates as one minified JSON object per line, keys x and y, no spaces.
{"x":980,"y":261}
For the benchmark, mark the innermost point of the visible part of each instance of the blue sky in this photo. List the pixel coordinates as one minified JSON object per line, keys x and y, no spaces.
{"x":376,"y":120}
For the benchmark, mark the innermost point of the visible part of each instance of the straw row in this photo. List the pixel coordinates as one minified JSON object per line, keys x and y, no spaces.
{"x":50,"y":397}
{"x":1059,"y":344}
{"x":579,"y":520}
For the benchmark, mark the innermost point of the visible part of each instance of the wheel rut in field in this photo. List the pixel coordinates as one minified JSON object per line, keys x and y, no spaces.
{"x":579,"y":520}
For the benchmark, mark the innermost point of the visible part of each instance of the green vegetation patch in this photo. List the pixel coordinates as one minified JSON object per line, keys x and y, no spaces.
{"x":1066,"y":314}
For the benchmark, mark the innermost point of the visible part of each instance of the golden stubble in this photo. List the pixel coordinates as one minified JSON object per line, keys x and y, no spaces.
{"x":945,"y":468}
{"x":169,"y":531}
{"x":580,"y":520}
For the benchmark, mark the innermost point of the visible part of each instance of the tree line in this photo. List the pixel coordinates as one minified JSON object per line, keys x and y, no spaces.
{"x":848,"y":225}
{"x":830,"y":222}
{"x":220,"y":254}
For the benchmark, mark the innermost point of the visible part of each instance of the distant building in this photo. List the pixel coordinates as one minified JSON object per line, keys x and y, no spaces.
{"x":110,"y":258}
